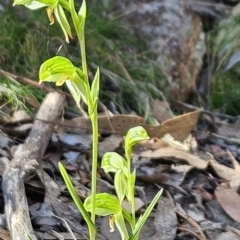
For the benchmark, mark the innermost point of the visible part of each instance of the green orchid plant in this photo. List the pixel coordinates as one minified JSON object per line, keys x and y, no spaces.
{"x":61,"y":70}
{"x":124,"y":183}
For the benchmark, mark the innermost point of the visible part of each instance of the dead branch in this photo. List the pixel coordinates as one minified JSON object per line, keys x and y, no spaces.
{"x":26,"y":158}
{"x":31,"y":82}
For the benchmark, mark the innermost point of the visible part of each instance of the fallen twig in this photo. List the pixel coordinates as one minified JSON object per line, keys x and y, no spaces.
{"x":31,"y":82}
{"x":26,"y":158}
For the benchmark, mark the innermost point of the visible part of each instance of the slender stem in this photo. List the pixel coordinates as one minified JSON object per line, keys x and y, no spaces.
{"x":128,"y":161}
{"x":92,"y":234}
{"x":94,"y":121}
{"x":84,"y":60}
{"x":94,"y":159}
{"x":131,"y":188}
{"x":133,"y":205}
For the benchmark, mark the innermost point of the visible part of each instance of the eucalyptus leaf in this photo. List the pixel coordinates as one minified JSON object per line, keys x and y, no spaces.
{"x":105,"y":204}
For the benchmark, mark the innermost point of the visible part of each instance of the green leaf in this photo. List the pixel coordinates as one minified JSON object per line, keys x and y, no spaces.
{"x":128,"y":217}
{"x":131,"y":186}
{"x":29,"y":237}
{"x":22,"y":2}
{"x":112,"y":162}
{"x":76,"y":198}
{"x":82,"y":18}
{"x":74,"y":92}
{"x":95,"y":86}
{"x":141,"y":221}
{"x":49,"y":3}
{"x":59,"y":70}
{"x":74,"y":16}
{"x":36,"y":4}
{"x":120,"y":183}
{"x":92,"y":107}
{"x":83,"y":10}
{"x":79,"y":81}
{"x":105,"y":204}
{"x":134,"y":136}
{"x":33,"y":5}
{"x":62,"y":20}
{"x":121,"y":225}
{"x":64,"y":4}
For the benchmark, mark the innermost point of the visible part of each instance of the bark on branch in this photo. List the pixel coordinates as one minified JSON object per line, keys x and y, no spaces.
{"x":26,"y":159}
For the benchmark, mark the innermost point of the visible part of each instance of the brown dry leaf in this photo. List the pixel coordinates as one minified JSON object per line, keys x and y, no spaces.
{"x":230,"y":174}
{"x":154,"y":178}
{"x":201,"y":162}
{"x":179,"y":127}
{"x":162,"y":111}
{"x":171,"y":142}
{"x":4,"y":234}
{"x":171,"y":153}
{"x":32,"y":101}
{"x":84,"y":176}
{"x":72,"y":168}
{"x":152,"y":143}
{"x":230,"y":202}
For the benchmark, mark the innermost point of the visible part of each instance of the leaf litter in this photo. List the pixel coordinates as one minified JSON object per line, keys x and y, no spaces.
{"x":200,"y":176}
